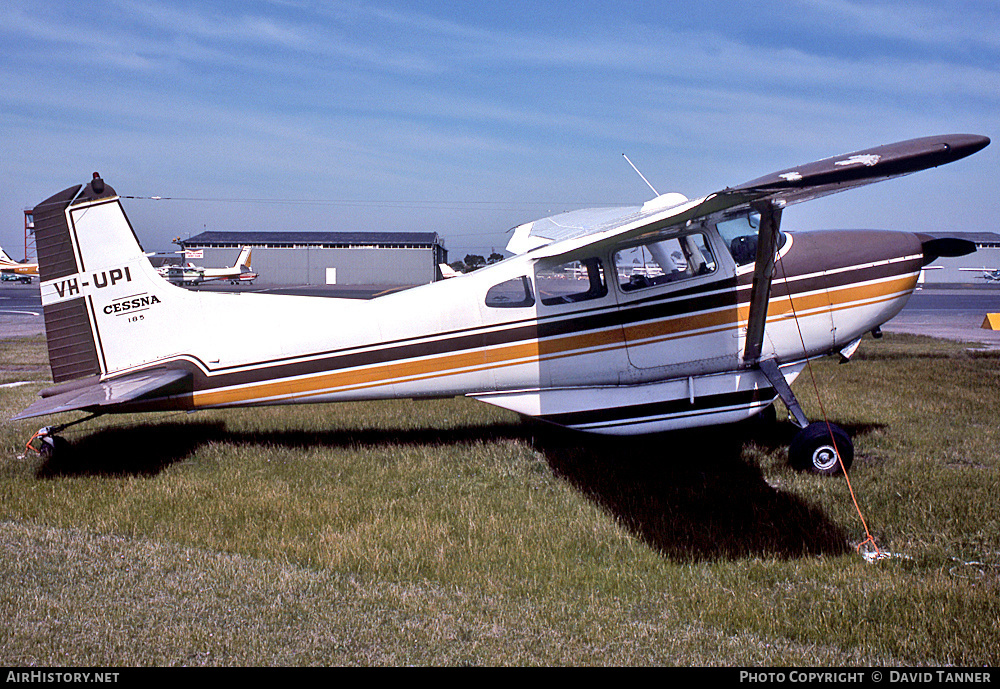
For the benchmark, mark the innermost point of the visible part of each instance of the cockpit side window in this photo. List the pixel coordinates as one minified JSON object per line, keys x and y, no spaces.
{"x":568,"y":283}
{"x":740,"y":235}
{"x":664,"y":261}
{"x":514,"y":293}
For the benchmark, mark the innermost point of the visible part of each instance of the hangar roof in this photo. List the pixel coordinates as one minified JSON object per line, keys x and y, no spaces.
{"x":289,"y":239}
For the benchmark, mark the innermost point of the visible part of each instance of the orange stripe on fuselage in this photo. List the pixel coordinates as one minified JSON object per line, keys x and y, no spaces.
{"x":779,"y":308}
{"x":538,"y":351}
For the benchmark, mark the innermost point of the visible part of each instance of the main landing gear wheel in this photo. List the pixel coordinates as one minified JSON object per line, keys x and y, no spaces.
{"x":815,"y":449}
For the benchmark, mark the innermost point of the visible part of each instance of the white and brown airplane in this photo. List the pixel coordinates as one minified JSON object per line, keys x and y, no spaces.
{"x":724,"y":313}
{"x":23,"y":271}
{"x":190,"y":274}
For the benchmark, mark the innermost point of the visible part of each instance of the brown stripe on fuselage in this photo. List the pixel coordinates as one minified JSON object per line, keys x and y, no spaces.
{"x":686,"y":302}
{"x":778,"y":309}
{"x":846,"y":296}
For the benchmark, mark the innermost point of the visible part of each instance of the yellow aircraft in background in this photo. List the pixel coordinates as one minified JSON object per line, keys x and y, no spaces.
{"x":24,"y":271}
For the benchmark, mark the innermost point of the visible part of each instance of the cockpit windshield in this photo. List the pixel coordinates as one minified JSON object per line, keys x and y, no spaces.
{"x":740,"y":235}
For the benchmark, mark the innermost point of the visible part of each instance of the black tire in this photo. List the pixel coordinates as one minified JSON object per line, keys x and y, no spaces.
{"x":814,"y":449}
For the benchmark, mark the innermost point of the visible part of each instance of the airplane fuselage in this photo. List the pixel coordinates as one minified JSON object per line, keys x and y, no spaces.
{"x":619,"y":361}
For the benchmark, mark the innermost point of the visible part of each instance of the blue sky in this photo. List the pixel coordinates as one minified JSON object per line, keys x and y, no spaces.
{"x":468,"y":118}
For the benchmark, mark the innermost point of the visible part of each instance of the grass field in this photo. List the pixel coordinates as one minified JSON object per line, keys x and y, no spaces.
{"x":451,"y":533}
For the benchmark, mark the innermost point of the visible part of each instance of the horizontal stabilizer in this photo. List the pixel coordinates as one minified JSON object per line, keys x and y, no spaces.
{"x":133,"y":387}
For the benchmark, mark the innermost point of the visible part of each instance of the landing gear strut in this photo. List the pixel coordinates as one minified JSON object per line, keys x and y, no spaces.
{"x":820,"y":447}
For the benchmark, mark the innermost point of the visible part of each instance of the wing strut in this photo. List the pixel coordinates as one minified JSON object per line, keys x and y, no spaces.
{"x":760,"y":293}
{"x":760,"y":296}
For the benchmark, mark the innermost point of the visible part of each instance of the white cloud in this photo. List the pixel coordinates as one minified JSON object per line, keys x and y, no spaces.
{"x":368,"y":100}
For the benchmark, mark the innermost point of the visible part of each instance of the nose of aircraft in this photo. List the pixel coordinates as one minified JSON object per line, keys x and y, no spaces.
{"x":880,"y":250}
{"x":866,"y":276}
{"x":842,"y":252}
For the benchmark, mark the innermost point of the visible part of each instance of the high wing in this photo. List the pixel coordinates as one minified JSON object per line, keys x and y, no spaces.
{"x":568,"y":231}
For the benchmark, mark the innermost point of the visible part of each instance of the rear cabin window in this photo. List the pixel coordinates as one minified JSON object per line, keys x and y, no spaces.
{"x":665,"y":261}
{"x":514,"y":293}
{"x":569,"y":283}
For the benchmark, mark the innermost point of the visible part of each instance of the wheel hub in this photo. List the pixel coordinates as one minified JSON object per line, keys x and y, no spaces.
{"x":825,"y":458}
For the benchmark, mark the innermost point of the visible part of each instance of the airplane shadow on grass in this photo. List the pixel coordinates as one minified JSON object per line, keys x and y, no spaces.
{"x":691,"y":495}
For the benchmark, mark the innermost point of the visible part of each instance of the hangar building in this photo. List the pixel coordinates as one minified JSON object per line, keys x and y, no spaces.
{"x":959,"y":270}
{"x":327,"y":258}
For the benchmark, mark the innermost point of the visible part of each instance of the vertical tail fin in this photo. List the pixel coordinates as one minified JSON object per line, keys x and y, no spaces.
{"x":4,"y":258}
{"x":98,"y":288}
{"x":244,"y":259}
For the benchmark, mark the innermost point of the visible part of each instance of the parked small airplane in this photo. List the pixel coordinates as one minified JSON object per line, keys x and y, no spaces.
{"x":988,"y":274}
{"x":715,"y":334}
{"x":183,"y":275}
{"x":190,"y":274}
{"x":23,"y":271}
{"x":447,"y":271}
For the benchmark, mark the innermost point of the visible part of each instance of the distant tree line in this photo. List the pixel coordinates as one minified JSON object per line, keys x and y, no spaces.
{"x":475,"y":261}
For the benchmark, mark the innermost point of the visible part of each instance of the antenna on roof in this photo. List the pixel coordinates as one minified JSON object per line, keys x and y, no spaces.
{"x":641,"y":175}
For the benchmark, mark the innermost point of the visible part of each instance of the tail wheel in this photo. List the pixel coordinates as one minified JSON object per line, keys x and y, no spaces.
{"x":51,"y":447}
{"x":817,"y":446}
